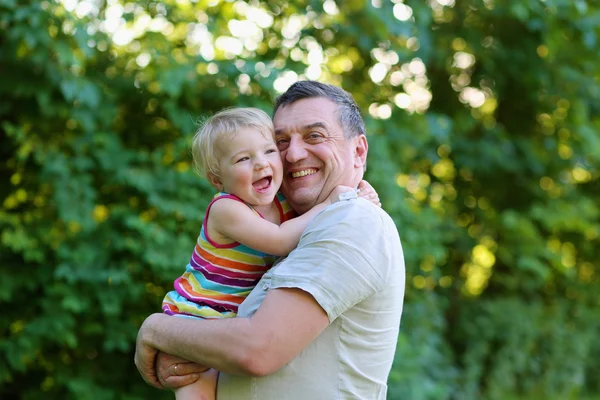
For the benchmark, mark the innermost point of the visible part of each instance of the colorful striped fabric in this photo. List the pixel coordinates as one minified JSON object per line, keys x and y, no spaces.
{"x":219,"y":277}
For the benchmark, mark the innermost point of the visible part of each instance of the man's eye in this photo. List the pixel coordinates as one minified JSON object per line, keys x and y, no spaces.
{"x":314,"y":135}
{"x":282,"y":144}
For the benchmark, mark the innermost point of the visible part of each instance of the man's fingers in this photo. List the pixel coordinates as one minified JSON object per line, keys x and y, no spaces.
{"x":153,"y":381}
{"x":170,"y":359}
{"x":187,"y":368}
{"x":148,"y":372}
{"x":149,"y":375}
{"x":174,"y":372}
{"x":144,"y":361}
{"x":174,"y":382}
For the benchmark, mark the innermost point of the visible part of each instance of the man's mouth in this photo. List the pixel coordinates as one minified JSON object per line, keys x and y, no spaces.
{"x":304,"y":172}
{"x":263,"y":184}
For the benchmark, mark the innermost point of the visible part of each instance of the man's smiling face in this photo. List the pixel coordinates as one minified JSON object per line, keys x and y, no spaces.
{"x":315,"y":154}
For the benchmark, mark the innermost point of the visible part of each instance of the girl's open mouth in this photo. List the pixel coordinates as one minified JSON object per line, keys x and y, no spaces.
{"x":262,"y":185}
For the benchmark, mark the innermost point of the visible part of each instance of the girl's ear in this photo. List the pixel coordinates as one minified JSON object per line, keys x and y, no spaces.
{"x":215,"y":181}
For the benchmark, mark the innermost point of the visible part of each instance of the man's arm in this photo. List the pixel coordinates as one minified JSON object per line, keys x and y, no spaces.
{"x":288,"y":319}
{"x":285,"y":323}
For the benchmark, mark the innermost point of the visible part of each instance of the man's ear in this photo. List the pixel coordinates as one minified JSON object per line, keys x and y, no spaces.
{"x":215,"y":181}
{"x":360,"y":151}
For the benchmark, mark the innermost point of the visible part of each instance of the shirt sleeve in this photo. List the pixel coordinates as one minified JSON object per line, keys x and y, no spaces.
{"x":342,"y":257}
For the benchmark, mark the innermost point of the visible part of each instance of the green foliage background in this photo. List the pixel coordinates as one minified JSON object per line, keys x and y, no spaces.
{"x":492,"y":177}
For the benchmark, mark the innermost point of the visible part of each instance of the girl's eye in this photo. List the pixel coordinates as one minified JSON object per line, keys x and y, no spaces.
{"x":271,"y":151}
{"x":242,"y":159}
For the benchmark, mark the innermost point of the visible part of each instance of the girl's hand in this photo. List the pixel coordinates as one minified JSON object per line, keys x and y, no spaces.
{"x":366,"y":191}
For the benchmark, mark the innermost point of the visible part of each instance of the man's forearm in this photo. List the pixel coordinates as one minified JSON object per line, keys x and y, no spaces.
{"x":287,"y":320}
{"x":221,"y":344}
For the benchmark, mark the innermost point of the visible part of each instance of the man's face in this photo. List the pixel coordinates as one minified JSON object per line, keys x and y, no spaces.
{"x":315,"y":154}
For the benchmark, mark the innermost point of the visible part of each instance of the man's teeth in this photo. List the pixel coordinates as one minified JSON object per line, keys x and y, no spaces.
{"x":305,"y":172}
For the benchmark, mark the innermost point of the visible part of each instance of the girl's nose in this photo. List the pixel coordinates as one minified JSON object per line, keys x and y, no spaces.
{"x":260,"y":164}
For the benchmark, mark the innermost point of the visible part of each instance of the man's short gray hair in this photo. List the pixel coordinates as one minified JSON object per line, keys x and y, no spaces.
{"x":348,"y":112}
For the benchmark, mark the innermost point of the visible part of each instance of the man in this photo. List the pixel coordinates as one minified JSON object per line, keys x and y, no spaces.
{"x":322,"y":323}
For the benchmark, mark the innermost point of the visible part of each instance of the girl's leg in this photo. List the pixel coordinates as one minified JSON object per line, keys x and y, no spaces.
{"x":205,"y":388}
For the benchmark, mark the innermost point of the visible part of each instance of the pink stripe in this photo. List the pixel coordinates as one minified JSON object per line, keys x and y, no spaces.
{"x":201,"y":300}
{"x":198,"y":263}
{"x":230,"y":282}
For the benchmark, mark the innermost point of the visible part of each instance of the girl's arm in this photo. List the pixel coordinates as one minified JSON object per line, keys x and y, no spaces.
{"x":238,"y":222}
{"x":366,"y":191}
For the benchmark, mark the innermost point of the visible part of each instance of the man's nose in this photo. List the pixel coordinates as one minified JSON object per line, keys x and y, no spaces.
{"x":295,"y":151}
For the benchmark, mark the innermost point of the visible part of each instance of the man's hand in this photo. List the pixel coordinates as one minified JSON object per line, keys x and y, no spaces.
{"x":160,"y":369}
{"x":145,"y":356}
{"x":174,"y":372}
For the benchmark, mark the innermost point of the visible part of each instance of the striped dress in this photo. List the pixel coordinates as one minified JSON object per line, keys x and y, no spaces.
{"x":220,"y":276}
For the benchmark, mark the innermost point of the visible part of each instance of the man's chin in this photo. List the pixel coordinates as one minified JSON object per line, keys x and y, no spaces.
{"x":301,"y":200}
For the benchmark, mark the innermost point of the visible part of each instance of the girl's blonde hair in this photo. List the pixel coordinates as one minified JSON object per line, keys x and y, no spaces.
{"x":222,"y":126}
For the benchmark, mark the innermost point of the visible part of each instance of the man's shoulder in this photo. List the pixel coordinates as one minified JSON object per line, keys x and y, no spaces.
{"x":357,"y":211}
{"x":355,"y":222}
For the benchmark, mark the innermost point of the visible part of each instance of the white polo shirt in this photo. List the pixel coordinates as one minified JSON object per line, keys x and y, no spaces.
{"x":350,"y":260}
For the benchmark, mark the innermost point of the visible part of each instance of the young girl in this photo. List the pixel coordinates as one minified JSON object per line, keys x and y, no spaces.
{"x":247,"y":225}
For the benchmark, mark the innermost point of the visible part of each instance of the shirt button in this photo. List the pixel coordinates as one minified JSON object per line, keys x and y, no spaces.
{"x":265,"y":286}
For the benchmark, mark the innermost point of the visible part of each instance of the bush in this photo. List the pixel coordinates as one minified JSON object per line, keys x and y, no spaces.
{"x":482,"y":119}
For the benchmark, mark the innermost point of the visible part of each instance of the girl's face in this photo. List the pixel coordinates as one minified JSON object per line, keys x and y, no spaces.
{"x":250,"y":167}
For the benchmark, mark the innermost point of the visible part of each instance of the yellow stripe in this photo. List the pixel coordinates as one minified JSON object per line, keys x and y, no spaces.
{"x":197,"y":288}
{"x":203,"y":312}
{"x":230,"y":254}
